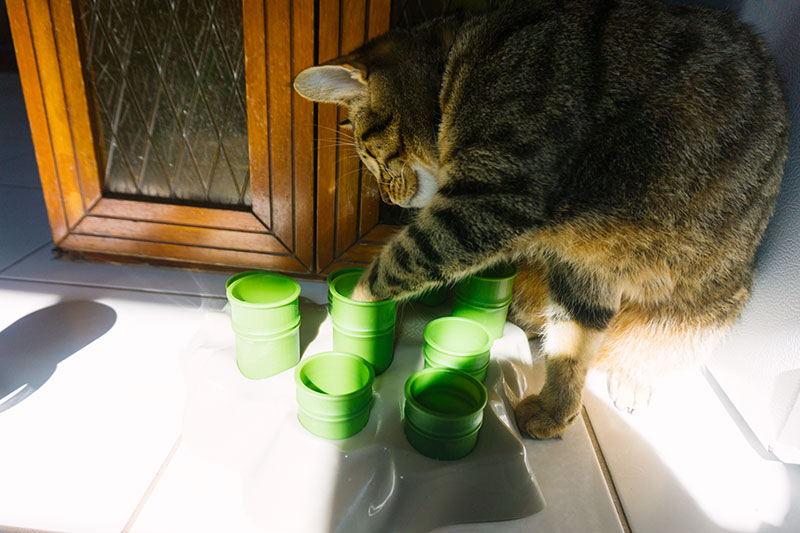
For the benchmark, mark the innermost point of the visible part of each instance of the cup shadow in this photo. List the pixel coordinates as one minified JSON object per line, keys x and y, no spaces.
{"x":33,"y":346}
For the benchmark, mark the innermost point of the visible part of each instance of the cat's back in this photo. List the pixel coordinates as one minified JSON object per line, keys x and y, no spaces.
{"x":634,"y":103}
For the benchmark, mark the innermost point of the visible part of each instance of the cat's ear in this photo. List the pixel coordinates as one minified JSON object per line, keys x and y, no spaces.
{"x":336,"y":84}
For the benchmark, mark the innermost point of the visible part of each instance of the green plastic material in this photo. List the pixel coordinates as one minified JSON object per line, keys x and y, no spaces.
{"x":264,"y":303}
{"x":241,"y":275}
{"x":443,"y":412}
{"x":336,"y":273}
{"x":375,"y":348}
{"x":445,"y":448}
{"x":492,"y":318}
{"x":479,"y":373}
{"x":458,"y":343}
{"x":358,"y":316}
{"x":259,"y":357}
{"x":334,"y":394}
{"x":491,"y":287}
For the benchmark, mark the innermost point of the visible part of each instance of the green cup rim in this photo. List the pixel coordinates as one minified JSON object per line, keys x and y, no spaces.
{"x":279,"y":303}
{"x":301,"y":365}
{"x":340,"y":271}
{"x":510,"y":267}
{"x":336,"y":294}
{"x":438,"y":346}
{"x":236,"y":277}
{"x":462,"y":375}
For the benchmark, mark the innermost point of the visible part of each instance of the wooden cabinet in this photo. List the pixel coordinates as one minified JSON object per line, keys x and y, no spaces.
{"x":181,"y":184}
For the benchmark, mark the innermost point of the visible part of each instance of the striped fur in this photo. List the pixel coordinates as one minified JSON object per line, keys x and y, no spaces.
{"x":626,"y":154}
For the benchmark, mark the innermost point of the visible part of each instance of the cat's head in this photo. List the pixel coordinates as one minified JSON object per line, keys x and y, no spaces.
{"x":390,"y":87}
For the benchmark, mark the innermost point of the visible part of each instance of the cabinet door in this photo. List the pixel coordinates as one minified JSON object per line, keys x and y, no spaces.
{"x":253,"y":202}
{"x":351,"y":223}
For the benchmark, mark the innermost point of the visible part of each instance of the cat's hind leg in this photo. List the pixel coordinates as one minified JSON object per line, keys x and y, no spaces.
{"x":529,"y":302}
{"x":642,"y":346}
{"x":579,"y":311}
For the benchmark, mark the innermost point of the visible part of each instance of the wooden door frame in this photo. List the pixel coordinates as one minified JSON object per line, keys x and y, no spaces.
{"x":276,"y":234}
{"x":357,"y":235}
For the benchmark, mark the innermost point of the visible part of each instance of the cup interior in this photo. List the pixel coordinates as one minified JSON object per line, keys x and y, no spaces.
{"x":335,"y":374}
{"x":499,"y":271}
{"x":344,"y":284}
{"x":456,"y":335}
{"x":266,"y":288}
{"x":443,"y":392}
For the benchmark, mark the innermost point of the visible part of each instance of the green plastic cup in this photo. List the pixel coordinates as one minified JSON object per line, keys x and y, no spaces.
{"x":457,"y":343}
{"x":491,"y":287}
{"x":479,"y":374}
{"x":241,"y":275}
{"x":491,"y":318}
{"x":334,"y":394}
{"x":260,"y":357}
{"x":443,"y":412}
{"x":264,"y":303}
{"x":336,"y":273}
{"x":358,"y":316}
{"x":376,"y":348}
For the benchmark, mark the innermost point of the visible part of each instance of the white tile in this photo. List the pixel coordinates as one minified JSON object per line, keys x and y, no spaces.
{"x":23,"y":223}
{"x":685,"y":465}
{"x":91,"y":401}
{"x":21,"y":171}
{"x":45,"y":266}
{"x":246,"y":465}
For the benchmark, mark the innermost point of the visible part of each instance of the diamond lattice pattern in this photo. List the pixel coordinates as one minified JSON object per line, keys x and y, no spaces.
{"x":170,"y":85}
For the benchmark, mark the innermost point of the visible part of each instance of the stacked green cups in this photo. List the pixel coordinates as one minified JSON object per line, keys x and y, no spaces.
{"x":265,"y":315}
{"x":443,"y":412}
{"x":457,"y":343}
{"x":485,"y":297}
{"x":334,"y":394}
{"x":365,"y":329}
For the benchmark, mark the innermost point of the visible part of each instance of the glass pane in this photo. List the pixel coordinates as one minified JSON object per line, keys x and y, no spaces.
{"x":170,"y":85}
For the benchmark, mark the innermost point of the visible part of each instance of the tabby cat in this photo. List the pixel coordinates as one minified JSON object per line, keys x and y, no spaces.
{"x":625,"y":154}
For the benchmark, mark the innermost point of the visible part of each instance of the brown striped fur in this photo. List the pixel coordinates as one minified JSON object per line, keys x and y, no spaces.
{"x":625,"y":154}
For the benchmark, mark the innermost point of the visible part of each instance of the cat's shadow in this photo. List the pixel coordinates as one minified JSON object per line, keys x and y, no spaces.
{"x":32,"y":347}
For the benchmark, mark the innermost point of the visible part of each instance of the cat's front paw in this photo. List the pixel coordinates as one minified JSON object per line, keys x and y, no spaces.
{"x":537,"y":421}
{"x":362,"y":294}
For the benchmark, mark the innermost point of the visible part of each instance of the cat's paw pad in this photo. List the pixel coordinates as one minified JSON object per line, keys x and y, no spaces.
{"x":535,"y":420}
{"x":628,"y":394}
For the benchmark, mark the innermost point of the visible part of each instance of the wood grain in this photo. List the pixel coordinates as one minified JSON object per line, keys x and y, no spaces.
{"x":303,"y":127}
{"x":157,"y":232}
{"x":377,"y":24}
{"x":255,"y":67}
{"x":37,"y":116}
{"x":349,"y":175}
{"x":279,"y":91}
{"x":182,"y":253}
{"x":178,"y":214}
{"x":72,"y":73}
{"x":327,"y":135}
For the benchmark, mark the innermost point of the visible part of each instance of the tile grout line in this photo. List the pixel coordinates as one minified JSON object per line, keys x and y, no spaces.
{"x":24,"y":257}
{"x":108,"y":287}
{"x":151,"y":487}
{"x":612,"y":488}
